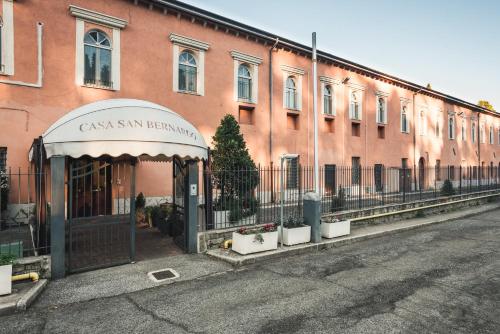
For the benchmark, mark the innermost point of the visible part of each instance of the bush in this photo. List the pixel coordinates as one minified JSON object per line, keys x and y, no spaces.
{"x":6,"y":259}
{"x":140,"y":201}
{"x":339,"y":201}
{"x":243,"y":208}
{"x":447,"y":188}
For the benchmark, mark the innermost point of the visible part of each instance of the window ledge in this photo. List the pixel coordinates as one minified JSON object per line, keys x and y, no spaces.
{"x":99,"y":87}
{"x":355,"y":120}
{"x":329,"y":116}
{"x":188,"y":92}
{"x":381,"y":124}
{"x":293,"y":111}
{"x":246,"y":101}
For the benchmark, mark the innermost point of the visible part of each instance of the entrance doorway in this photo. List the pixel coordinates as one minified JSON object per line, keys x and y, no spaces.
{"x":421,"y":173}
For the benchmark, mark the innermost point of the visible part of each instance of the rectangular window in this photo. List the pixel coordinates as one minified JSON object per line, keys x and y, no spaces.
{"x":292,"y":173}
{"x":381,"y":132}
{"x":438,"y":170}
{"x":356,"y":170}
{"x":451,"y":173}
{"x":451,"y":127}
{"x":3,"y":158}
{"x":245,"y":115}
{"x":492,"y":135}
{"x":330,"y":178}
{"x":356,"y":129}
{"x":378,"y":172}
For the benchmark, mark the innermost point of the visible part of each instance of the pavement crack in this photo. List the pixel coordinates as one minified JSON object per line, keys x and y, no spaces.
{"x":157,"y":317}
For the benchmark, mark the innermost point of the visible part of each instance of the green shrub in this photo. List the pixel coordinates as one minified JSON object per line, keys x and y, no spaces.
{"x":243,"y":208}
{"x":6,"y":259}
{"x":140,"y":201}
{"x":339,"y":201}
{"x":447,"y":188}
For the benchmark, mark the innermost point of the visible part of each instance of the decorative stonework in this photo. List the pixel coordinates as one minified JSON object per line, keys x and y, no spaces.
{"x":292,"y":70}
{"x":92,"y":16}
{"x":189,"y":42}
{"x":246,"y":58}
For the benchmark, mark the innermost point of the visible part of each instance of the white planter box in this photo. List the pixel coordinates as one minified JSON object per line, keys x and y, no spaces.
{"x":5,"y":280}
{"x":247,"y":244}
{"x":295,"y":236}
{"x":338,"y":229}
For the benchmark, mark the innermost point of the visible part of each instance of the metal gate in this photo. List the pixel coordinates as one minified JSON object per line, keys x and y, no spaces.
{"x":179,"y":217}
{"x":99,"y":225}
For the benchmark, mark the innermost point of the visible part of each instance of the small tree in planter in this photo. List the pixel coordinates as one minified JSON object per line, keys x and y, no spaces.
{"x":6,"y":262}
{"x":447,"y":188}
{"x":234,"y":171}
{"x":295,"y":232}
{"x":257,"y":239}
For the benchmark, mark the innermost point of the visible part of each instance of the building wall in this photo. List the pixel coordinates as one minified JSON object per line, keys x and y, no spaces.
{"x":146,"y":72}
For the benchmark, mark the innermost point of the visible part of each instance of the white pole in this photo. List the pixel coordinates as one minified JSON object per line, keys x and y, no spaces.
{"x":315,"y":111}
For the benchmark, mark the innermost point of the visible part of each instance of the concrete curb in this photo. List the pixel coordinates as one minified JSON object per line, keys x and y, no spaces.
{"x":25,"y":301}
{"x":241,"y":260}
{"x":31,"y":295}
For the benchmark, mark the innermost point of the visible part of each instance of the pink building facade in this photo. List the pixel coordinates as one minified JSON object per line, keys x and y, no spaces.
{"x":142,"y":47}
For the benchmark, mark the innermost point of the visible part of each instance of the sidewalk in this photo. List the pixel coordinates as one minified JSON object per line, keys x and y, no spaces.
{"x":357,"y":234}
{"x":125,"y":279}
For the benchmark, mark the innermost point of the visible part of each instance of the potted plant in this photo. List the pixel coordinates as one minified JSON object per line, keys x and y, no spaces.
{"x":335,"y":227}
{"x":294,"y":232}
{"x":6,"y":261}
{"x":257,"y":239}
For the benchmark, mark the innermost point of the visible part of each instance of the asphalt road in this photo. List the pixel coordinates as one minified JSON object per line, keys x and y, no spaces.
{"x":439,"y":279}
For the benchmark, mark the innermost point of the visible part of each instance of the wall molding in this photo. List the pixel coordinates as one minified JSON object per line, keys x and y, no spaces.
{"x":189,"y":42}
{"x":246,"y":58}
{"x":292,"y":70}
{"x":329,"y":80}
{"x":93,"y":16}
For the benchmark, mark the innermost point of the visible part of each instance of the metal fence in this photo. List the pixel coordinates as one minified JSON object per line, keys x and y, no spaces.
{"x":24,"y":227}
{"x":247,"y":197}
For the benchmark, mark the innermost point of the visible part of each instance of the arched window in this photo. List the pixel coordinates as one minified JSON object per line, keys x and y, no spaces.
{"x":423,"y":125}
{"x":327,"y":100}
{"x":381,"y":110}
{"x":97,"y":49}
{"x":291,"y":93}
{"x":244,"y":82}
{"x":492,"y":138}
{"x":404,"y":120}
{"x":473,"y":132}
{"x":463,"y":129}
{"x":354,"y":106}
{"x":451,"y":127}
{"x":188,"y":70}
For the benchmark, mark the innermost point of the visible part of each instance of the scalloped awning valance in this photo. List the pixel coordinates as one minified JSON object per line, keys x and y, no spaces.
{"x":118,"y":127}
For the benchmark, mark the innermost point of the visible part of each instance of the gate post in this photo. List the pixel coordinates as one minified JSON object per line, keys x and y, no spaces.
{"x":191,"y":207}
{"x":57,"y":228}
{"x":132,"y":210}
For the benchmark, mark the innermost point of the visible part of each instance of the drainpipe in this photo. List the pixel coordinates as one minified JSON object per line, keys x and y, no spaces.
{"x":271,"y":99}
{"x":38,"y":83}
{"x":271,"y":114}
{"x":415,"y":139}
{"x":479,"y":167}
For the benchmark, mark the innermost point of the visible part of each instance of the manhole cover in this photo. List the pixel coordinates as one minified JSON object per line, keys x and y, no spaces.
{"x":163,"y":275}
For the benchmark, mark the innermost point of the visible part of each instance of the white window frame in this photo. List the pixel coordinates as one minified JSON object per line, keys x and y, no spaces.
{"x":359,"y":95}
{"x":482,"y":133}
{"x":83,"y":15}
{"x":198,"y":49}
{"x":473,"y":131}
{"x":492,"y":135}
{"x":297,"y":73}
{"x":324,"y":82}
{"x":405,"y":103}
{"x":7,"y":37}
{"x":253,"y":62}
{"x":384,"y":97}
{"x":422,"y":122}
{"x":452,"y":125}
{"x":437,"y":123}
{"x":464,"y":129}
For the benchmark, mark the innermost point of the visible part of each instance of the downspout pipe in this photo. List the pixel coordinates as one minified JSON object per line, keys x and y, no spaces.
{"x":415,"y":138}
{"x":39,"y":81}
{"x":479,"y":166}
{"x":271,"y":87}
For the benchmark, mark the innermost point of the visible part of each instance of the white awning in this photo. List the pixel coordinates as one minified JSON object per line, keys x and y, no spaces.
{"x":119,"y":127}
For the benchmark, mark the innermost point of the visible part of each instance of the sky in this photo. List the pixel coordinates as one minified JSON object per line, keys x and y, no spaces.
{"x":452,"y":44}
